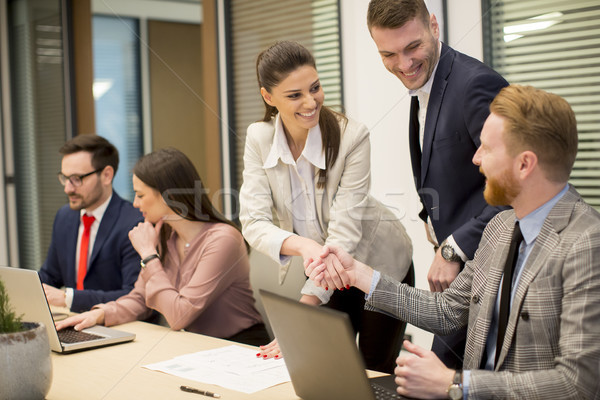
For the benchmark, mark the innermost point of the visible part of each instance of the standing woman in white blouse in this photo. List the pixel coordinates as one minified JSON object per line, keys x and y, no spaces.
{"x":306,"y":184}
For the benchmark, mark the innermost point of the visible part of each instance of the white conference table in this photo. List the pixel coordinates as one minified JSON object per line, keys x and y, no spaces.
{"x":115,"y":372}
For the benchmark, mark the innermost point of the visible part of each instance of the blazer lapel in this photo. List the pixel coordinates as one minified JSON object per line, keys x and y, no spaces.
{"x":109,"y":220}
{"x":490,"y":293}
{"x":545,"y":243}
{"x":436,"y":97}
{"x":282,"y":195}
{"x":70,"y":243}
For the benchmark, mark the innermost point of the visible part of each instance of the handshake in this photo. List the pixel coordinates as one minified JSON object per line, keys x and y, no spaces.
{"x":336,"y":269}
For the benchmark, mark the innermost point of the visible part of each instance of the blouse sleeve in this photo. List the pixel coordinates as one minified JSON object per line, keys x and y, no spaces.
{"x":130,"y":307}
{"x":204,"y":276}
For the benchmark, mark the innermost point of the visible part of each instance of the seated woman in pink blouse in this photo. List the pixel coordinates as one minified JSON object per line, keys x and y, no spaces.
{"x":195,"y":261}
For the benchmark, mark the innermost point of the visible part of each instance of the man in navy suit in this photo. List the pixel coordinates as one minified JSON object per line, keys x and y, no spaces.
{"x":451,"y":97}
{"x":111,"y":265}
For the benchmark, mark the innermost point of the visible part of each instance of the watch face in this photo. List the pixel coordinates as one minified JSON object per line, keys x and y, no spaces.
{"x":455,"y":392}
{"x":447,"y":252}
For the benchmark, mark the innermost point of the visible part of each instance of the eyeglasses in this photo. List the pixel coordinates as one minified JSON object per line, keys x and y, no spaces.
{"x":76,"y":180}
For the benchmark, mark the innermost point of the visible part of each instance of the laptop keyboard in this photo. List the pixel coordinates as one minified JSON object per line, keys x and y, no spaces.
{"x":383,"y":393}
{"x":70,"y":335}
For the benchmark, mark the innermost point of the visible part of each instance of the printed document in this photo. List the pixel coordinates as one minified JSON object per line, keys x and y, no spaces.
{"x":232,"y":367}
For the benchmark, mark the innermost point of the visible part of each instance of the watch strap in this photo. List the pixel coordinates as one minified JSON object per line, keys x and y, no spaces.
{"x":148,"y":259}
{"x":455,"y":256}
{"x":455,"y":390}
{"x":458,"y":377}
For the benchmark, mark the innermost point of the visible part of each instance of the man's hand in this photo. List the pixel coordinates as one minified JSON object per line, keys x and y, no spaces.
{"x":349,"y":271}
{"x":421,"y":374}
{"x":310,"y":251}
{"x":441,"y":273}
{"x":329,"y":267}
{"x":56,"y":297}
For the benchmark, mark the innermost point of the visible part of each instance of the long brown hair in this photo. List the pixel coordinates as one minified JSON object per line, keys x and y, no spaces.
{"x":173,"y":174}
{"x":273,"y":65}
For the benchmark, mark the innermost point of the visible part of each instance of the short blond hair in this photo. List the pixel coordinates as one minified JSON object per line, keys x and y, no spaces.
{"x":541,"y":122}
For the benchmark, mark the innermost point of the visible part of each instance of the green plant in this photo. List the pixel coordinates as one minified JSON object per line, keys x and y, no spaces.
{"x":9,"y":321}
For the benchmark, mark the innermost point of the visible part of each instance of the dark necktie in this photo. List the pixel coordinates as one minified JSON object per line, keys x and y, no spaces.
{"x":88,"y":220}
{"x":509,"y":267}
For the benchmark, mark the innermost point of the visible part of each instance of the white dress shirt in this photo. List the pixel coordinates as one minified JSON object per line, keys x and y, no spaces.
{"x":97,"y":213}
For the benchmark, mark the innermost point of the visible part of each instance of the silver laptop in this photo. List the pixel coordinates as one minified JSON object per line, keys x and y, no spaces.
{"x":27,"y":297}
{"x":320,"y":352}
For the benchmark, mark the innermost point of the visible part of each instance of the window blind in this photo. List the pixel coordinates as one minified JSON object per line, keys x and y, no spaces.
{"x":255,"y":25}
{"x":554,"y":45}
{"x":37,"y":48}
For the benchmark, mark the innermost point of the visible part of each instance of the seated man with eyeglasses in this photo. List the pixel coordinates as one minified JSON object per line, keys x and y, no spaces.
{"x":90,"y":253}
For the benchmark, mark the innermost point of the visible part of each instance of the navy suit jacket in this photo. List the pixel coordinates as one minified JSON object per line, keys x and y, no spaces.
{"x":114,"y":264}
{"x":450,"y":186}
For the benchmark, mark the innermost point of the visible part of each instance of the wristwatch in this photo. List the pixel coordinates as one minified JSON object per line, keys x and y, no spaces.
{"x":455,"y":390}
{"x":449,"y":254}
{"x":148,"y":259}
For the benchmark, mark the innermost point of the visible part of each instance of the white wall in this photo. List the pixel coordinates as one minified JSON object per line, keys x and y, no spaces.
{"x":379,"y":100}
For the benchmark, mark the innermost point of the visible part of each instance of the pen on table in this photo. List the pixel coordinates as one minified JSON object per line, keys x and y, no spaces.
{"x":198,"y":391}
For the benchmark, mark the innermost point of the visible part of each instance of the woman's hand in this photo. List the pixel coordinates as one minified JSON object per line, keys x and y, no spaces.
{"x":330,"y":265}
{"x":144,"y":237}
{"x":83,"y":320}
{"x":311,"y":251}
{"x":347,"y":270}
{"x":270,"y":350}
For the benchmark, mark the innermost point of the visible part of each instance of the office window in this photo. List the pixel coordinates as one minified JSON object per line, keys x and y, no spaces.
{"x":555,"y":46}
{"x":255,"y":25}
{"x":117,"y":92}
{"x":39,"y":120}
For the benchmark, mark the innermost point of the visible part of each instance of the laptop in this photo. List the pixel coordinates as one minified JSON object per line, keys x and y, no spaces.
{"x":320,"y":352}
{"x":27,"y":297}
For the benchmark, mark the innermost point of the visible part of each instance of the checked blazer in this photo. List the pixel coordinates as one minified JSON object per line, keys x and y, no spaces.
{"x":552,"y":344}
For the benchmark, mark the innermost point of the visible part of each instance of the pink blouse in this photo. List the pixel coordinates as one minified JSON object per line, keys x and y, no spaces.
{"x":207,"y":292}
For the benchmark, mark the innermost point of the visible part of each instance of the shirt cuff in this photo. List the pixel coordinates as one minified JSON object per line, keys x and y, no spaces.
{"x":69,"y":297}
{"x":450,"y":240}
{"x":374,"y":282}
{"x":278,"y":242}
{"x":466,"y":377}
{"x":311,"y":289}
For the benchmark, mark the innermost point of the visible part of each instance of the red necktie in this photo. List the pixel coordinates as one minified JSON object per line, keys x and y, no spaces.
{"x":88,"y":220}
